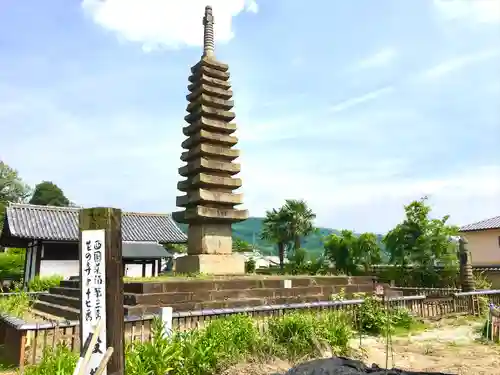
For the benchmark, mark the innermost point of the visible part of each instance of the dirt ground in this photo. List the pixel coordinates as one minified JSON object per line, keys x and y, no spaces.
{"x":448,"y":346}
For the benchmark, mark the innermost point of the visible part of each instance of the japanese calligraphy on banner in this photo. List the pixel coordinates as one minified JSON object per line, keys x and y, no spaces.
{"x":93,"y":289}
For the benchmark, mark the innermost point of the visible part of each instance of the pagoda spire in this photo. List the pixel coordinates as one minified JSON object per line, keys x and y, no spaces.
{"x":208,"y":33}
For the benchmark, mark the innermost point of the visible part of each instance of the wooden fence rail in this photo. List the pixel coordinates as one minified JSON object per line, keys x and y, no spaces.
{"x":24,"y":343}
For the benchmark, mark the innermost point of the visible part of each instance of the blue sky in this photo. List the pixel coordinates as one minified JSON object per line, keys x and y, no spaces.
{"x":356,"y":106}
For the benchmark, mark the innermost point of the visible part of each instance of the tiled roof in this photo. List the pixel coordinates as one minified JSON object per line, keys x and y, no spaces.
{"x":493,"y":223}
{"x":143,"y":250}
{"x":25,"y":221}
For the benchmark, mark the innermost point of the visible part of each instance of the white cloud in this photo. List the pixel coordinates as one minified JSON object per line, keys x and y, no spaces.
{"x":457,"y":63}
{"x":475,"y":11}
{"x":369,"y":198}
{"x":355,"y":101}
{"x":166,"y":23}
{"x":380,"y":59}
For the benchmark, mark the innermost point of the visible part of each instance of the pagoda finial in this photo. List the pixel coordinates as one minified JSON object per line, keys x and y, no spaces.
{"x":208,"y":32}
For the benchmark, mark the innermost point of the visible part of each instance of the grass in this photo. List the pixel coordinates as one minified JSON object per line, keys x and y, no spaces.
{"x":225,"y":342}
{"x":17,"y":305}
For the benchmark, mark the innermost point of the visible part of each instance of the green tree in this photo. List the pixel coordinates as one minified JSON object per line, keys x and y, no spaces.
{"x":299,"y":219}
{"x":349,"y":251}
{"x":12,"y":188}
{"x":178,"y":248}
{"x":49,"y":194}
{"x":342,"y":250}
{"x":368,"y":250}
{"x":421,"y":241}
{"x":275,"y":229}
{"x":241,"y":246}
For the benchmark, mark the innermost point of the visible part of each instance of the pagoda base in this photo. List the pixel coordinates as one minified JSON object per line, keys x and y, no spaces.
{"x":211,"y":264}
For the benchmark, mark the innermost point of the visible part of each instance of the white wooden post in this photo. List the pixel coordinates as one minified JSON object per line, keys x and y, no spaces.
{"x":166,"y":318}
{"x":287,"y":284}
{"x":93,"y":293}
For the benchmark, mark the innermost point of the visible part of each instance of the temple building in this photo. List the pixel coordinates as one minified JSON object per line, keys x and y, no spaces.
{"x":50,"y":236}
{"x":209,"y":200}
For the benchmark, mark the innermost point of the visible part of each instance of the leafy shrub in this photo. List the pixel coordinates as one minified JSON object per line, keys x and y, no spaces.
{"x":250,"y":266}
{"x":43,"y":284}
{"x":481,"y":282}
{"x":371,"y":316}
{"x":11,"y":266}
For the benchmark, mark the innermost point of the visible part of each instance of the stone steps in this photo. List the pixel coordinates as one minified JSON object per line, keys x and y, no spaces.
{"x":198,"y":294}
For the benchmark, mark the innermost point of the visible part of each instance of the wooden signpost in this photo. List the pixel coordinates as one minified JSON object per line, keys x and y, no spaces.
{"x":101,"y":287}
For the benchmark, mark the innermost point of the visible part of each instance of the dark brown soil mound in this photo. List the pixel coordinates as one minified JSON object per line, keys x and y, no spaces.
{"x":346,"y":366}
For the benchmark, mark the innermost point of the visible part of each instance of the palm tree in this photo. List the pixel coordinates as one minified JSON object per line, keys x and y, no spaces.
{"x":275,"y":229}
{"x":300,"y":220}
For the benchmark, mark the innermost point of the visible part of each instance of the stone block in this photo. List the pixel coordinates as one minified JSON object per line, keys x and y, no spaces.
{"x":202,"y":196}
{"x":202,"y":164}
{"x":231,"y":264}
{"x":205,"y":136}
{"x":204,"y":214}
{"x":206,"y":180}
{"x":210,"y":112}
{"x":210,"y":239}
{"x":210,"y":151}
{"x":210,"y":125}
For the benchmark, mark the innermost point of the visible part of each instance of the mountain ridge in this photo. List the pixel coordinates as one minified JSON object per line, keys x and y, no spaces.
{"x":249,"y":231}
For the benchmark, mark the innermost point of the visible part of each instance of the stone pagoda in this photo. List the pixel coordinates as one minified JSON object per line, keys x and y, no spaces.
{"x":210,"y":168}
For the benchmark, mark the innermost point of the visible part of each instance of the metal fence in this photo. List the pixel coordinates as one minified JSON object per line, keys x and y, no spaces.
{"x":24,"y":343}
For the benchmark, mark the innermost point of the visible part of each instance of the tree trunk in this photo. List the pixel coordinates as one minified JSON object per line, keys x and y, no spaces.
{"x":297,"y":243}
{"x":281,"y":253}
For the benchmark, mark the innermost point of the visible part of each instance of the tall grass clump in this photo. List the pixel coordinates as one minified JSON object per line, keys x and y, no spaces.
{"x":298,"y":335}
{"x":17,"y":304}
{"x":56,"y":361}
{"x":43,"y":284}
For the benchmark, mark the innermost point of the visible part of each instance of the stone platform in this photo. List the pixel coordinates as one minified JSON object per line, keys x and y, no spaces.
{"x":216,"y":292}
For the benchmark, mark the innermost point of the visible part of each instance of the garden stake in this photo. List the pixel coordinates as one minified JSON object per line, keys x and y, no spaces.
{"x":104,"y":361}
{"x":87,"y":348}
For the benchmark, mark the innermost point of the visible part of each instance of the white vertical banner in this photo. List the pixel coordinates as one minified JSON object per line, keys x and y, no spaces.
{"x":93,"y":289}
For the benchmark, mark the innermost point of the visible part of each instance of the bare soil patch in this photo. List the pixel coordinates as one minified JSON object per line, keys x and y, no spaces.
{"x":449,"y":346}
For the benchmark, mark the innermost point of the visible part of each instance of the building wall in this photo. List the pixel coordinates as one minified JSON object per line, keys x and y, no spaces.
{"x":484,"y":247}
{"x":135,"y":270}
{"x":68,"y":268}
{"x":64,"y":268}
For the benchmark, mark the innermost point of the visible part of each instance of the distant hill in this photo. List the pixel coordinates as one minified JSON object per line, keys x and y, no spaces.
{"x":249,"y":231}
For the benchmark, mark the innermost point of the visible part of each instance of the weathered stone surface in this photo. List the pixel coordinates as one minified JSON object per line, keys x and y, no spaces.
{"x":200,"y":214}
{"x":210,"y":63}
{"x":205,"y":165}
{"x":216,"y":113}
{"x":206,"y":80}
{"x":210,"y":101}
{"x":208,"y":181}
{"x":210,"y":125}
{"x":230,"y":264}
{"x":209,"y":137}
{"x":204,"y":150}
{"x":209,"y":72}
{"x":209,"y":90}
{"x":203,"y":196}
{"x":209,"y":238}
